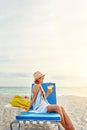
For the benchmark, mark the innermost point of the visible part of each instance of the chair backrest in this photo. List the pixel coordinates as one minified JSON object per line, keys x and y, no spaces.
{"x":52,"y":97}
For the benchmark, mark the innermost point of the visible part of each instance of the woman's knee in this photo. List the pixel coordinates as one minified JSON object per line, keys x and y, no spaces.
{"x":58,"y":108}
{"x":62,"y":107}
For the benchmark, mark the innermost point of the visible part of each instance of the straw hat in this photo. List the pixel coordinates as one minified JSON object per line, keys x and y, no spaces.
{"x":38,"y":75}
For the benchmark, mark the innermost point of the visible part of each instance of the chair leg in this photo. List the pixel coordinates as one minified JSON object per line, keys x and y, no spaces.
{"x":58,"y":127}
{"x":19,"y":126}
{"x":11,"y":128}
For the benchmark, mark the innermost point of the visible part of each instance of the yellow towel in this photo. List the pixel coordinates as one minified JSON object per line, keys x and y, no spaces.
{"x":18,"y":101}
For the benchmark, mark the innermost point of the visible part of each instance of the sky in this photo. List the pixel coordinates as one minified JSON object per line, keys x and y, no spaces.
{"x":49,"y":36}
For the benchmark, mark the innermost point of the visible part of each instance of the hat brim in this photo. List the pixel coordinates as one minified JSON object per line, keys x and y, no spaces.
{"x":40,"y":77}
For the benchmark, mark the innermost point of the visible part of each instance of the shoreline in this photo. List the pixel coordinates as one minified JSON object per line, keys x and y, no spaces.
{"x":59,"y":95}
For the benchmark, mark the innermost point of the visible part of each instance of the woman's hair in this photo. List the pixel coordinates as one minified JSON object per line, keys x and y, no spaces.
{"x":37,"y":81}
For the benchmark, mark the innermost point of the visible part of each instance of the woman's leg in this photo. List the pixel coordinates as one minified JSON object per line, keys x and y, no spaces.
{"x":69,"y":125}
{"x":66,"y":122}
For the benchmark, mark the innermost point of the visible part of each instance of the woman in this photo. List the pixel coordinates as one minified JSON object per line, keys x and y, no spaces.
{"x":40,"y":103}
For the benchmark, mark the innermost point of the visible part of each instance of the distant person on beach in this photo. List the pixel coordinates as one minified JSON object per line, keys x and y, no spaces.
{"x":40,"y":104}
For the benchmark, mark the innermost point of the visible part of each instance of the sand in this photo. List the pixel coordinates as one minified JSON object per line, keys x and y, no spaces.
{"x":75,"y":106}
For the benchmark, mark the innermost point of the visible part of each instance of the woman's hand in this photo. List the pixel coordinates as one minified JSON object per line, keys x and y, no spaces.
{"x":49,"y":91}
{"x":28,"y":108}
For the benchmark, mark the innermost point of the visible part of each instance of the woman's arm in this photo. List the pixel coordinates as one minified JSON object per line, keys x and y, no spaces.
{"x":47,"y":93}
{"x":43,"y":92}
{"x":34,"y":95}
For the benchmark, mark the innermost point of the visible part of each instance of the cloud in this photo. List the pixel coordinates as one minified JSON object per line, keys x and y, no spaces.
{"x":69,"y":77}
{"x":14,"y":75}
{"x":6,"y":59}
{"x":60,"y":77}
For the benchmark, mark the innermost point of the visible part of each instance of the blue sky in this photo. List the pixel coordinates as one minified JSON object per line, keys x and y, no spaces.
{"x":49,"y":36}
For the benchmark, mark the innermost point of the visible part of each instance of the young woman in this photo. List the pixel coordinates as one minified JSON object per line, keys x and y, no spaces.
{"x":40,"y":103}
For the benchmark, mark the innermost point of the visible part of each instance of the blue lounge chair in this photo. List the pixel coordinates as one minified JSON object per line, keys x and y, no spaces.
{"x":31,"y":116}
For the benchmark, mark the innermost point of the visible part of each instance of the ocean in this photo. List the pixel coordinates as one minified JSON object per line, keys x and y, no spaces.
{"x":76,"y":91}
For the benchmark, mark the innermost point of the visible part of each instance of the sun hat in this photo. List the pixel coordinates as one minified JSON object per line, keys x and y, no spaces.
{"x":38,"y":75}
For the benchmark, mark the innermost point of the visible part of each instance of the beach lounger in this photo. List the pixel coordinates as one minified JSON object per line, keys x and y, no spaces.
{"x":39,"y":118}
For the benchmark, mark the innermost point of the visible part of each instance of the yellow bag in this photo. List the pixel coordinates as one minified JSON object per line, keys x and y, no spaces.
{"x":18,"y":101}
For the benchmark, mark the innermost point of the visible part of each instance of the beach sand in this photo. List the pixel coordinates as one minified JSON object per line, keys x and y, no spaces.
{"x":75,"y":106}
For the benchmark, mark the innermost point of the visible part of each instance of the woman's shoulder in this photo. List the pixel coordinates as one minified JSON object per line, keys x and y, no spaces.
{"x":37,"y":86}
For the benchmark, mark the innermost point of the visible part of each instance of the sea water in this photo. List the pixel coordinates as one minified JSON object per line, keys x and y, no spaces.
{"x":14,"y":90}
